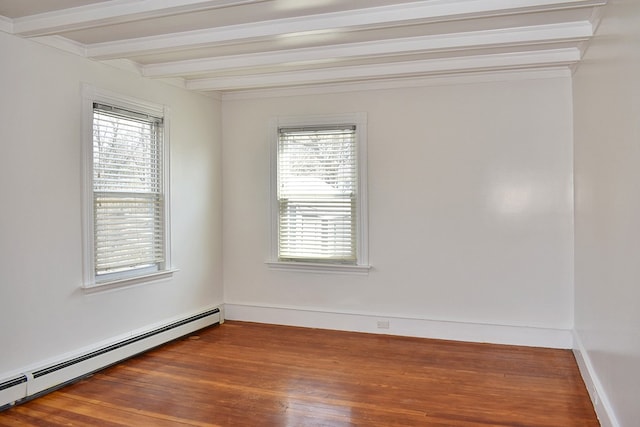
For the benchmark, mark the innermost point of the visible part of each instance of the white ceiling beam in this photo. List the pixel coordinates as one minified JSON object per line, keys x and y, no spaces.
{"x":575,"y":31}
{"x":111,"y":12}
{"x":401,"y":14}
{"x":555,"y":57}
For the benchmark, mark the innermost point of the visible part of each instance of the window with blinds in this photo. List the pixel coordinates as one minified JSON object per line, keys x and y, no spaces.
{"x":128,"y":193}
{"x":317,"y":185}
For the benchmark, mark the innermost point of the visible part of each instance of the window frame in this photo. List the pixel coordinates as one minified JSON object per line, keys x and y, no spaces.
{"x":359,"y":120}
{"x":91,"y":95}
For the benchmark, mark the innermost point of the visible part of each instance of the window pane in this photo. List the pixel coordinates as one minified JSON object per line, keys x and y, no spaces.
{"x":128,"y":194}
{"x":317,"y":185}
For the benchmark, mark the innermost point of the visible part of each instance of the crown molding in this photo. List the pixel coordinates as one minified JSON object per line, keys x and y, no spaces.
{"x":75,"y":48}
{"x":576,"y":31}
{"x":6,"y":24}
{"x":63,"y":43}
{"x":372,"y":17}
{"x":400,"y":83}
{"x":596,"y":16}
{"x":111,"y":12}
{"x":546,"y":58}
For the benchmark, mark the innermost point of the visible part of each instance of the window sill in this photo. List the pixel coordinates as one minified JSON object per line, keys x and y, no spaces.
{"x":129,"y":281}
{"x":310,"y":267}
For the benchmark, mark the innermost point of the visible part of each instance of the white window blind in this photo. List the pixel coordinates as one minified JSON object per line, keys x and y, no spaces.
{"x":317,"y":185}
{"x":128,"y":203}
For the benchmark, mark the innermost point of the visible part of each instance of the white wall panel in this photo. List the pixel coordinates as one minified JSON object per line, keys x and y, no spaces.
{"x":607,"y":244}
{"x":43,"y":310}
{"x":470,"y":197}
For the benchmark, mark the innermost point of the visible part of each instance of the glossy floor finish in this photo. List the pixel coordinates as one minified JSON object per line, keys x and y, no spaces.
{"x":246,"y":374}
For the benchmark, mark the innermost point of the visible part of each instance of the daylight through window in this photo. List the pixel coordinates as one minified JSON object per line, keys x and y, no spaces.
{"x":127,"y":182}
{"x":317,"y":194}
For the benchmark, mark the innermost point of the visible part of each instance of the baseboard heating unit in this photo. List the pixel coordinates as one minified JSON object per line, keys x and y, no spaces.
{"x":36,"y":382}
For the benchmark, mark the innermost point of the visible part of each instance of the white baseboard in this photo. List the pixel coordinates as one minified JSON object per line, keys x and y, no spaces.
{"x":404,"y":326}
{"x":35,"y":380}
{"x":599,"y":398}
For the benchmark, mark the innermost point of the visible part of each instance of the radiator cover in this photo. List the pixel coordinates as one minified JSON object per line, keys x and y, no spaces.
{"x":28,"y":385}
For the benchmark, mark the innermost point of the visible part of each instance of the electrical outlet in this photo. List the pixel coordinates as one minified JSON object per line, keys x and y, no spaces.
{"x":383,"y":324}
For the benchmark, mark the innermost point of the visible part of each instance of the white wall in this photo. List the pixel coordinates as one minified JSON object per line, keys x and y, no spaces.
{"x":607,"y":241}
{"x":43,"y":311}
{"x":470,"y":194}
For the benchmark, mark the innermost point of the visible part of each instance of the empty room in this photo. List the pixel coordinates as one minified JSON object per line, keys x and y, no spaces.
{"x":320,"y":213}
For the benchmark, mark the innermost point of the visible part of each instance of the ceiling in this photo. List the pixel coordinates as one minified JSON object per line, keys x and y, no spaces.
{"x":232,"y":45}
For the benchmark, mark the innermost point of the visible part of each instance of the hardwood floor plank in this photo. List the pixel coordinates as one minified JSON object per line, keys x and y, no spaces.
{"x":245,"y":374}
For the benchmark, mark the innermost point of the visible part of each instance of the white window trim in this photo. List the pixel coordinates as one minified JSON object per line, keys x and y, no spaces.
{"x":362,"y":242}
{"x":90,"y":95}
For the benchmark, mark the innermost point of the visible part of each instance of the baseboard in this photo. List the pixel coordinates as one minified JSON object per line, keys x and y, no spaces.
{"x":404,"y":326}
{"x":599,"y":398}
{"x":52,"y":374}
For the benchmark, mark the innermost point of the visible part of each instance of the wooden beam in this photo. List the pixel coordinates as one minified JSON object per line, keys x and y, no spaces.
{"x":502,"y":61}
{"x":503,"y":37}
{"x":366,"y":18}
{"x":111,"y":12}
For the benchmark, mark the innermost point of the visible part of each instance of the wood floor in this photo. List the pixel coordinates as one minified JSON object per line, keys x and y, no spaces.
{"x":246,"y":374}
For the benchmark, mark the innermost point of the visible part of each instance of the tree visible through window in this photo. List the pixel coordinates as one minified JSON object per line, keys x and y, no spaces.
{"x":317,"y":185}
{"x":127,"y":183}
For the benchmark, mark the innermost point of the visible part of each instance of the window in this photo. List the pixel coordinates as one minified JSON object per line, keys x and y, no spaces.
{"x":319,"y":193}
{"x":126,"y":224}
